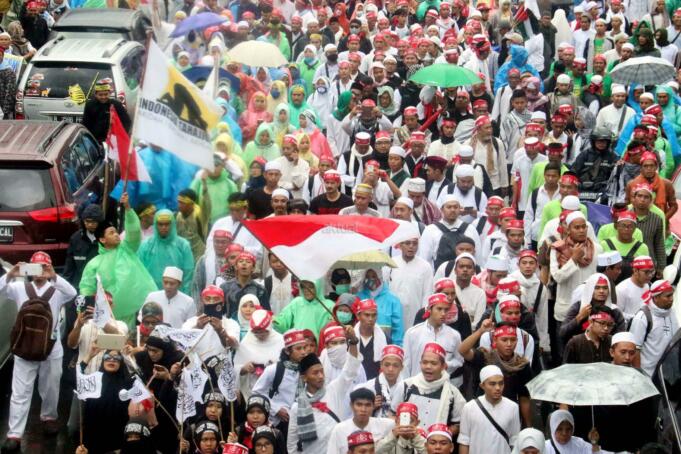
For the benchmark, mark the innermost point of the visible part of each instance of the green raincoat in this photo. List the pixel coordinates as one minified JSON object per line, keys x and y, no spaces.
{"x":219,"y":190}
{"x":157,"y":253}
{"x":280,"y":129}
{"x":255,"y":148}
{"x":303,"y":314}
{"x":672,"y":111}
{"x":307,"y":73}
{"x":121,"y":272}
{"x":295,"y":111}
{"x":342,"y":106}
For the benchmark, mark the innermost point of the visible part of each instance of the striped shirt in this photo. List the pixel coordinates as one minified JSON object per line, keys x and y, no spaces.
{"x":653,"y":236}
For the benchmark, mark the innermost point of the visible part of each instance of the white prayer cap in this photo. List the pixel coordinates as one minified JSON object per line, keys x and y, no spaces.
{"x":618,"y":89}
{"x":497,"y":263}
{"x":531,"y":141}
{"x":313,"y":21}
{"x":435,"y":40}
{"x":406,"y":201}
{"x":570,"y":202}
{"x":597,"y":79}
{"x":563,"y":79}
{"x":573,"y":217}
{"x":628,"y":46}
{"x":600,"y":20}
{"x":417,"y":185}
{"x":489,"y":372}
{"x":647,"y":95}
{"x":389,"y":58}
{"x":362,"y":137}
{"x":580,"y":60}
{"x":674,"y":84}
{"x":397,"y":151}
{"x":564,"y":45}
{"x":591,"y":5}
{"x":446,"y":199}
{"x":578,"y":9}
{"x":464,"y":255}
{"x":466,"y":151}
{"x":609,"y":258}
{"x":272,"y":166}
{"x":261,"y":319}
{"x":474,"y":13}
{"x":242,"y":24}
{"x":280,"y":192}
{"x":538,"y":115}
{"x":464,"y":170}
{"x":623,"y":336}
{"x":173,"y":272}
{"x":330,"y":47}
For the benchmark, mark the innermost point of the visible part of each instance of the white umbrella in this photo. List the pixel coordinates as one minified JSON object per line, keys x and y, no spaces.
{"x":592,"y":384}
{"x":257,"y":53}
{"x":644,"y":71}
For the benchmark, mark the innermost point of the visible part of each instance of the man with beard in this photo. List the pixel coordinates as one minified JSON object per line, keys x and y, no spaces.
{"x":473,"y":199}
{"x":410,"y":124}
{"x":97,"y":111}
{"x":351,"y":163}
{"x":294,"y":171}
{"x":424,"y":210}
{"x":332,"y":201}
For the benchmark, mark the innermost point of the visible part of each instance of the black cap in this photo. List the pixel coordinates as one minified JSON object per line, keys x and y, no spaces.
{"x":307,"y":362}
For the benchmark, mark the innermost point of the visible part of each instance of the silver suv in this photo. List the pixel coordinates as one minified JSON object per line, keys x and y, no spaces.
{"x":61,"y":77}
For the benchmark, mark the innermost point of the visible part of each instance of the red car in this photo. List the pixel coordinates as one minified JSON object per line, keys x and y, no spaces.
{"x":46,"y":170}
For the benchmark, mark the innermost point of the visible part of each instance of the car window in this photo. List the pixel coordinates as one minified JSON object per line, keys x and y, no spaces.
{"x":139,"y":29}
{"x":73,"y":80}
{"x":25,"y":189}
{"x":132,"y":65}
{"x":77,"y":163}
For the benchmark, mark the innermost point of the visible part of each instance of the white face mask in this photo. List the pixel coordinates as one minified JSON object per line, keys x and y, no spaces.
{"x":337,"y":355}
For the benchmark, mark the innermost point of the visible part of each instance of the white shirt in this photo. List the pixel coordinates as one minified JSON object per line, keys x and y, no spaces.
{"x":664,"y":327}
{"x":210,"y":345}
{"x":568,"y":277}
{"x":383,"y":197}
{"x":64,"y":292}
{"x":293,"y":175}
{"x":415,"y":340}
{"x":281,"y":293}
{"x":338,"y":440}
{"x":630,"y":297}
{"x":468,"y":200}
{"x":521,"y":169}
{"x":579,"y":39}
{"x":412,"y":283}
{"x":532,"y":217}
{"x":610,"y":116}
{"x":493,"y":241}
{"x":430,"y":239}
{"x":478,"y":433}
{"x":498,"y":178}
{"x":285,"y":395}
{"x":176,"y":310}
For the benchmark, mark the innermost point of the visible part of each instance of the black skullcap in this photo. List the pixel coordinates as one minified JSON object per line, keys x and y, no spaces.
{"x":307,"y":362}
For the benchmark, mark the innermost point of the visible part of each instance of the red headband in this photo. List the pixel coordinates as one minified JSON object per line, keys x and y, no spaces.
{"x":505,"y":331}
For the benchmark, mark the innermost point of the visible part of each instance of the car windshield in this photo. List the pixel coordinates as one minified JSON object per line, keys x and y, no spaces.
{"x":25,"y":189}
{"x":65,"y":80}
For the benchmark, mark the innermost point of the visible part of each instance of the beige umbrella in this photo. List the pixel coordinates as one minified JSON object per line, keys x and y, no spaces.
{"x":364,"y":260}
{"x":257,"y":53}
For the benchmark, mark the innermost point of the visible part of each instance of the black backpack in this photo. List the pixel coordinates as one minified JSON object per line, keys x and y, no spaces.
{"x":448,"y":241}
{"x":649,"y":321}
{"x":626,"y":260}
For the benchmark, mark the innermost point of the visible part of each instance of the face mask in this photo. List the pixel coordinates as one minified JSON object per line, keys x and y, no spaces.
{"x":322,"y":90}
{"x":344,"y":317}
{"x":145,"y":330}
{"x":275,"y":93}
{"x":342,"y":288}
{"x":354,"y":30}
{"x":337,"y":355}
{"x":309,"y":60}
{"x":372,"y":284}
{"x":333,"y":58}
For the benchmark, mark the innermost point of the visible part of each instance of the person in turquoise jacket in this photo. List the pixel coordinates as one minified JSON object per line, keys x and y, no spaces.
{"x":166,"y":248}
{"x":220,"y":187}
{"x":389,"y":306}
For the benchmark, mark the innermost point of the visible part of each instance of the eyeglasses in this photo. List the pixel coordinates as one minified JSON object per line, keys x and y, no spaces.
{"x":263,"y":446}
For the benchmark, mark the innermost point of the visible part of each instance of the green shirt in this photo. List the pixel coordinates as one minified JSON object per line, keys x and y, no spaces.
{"x":537,"y":175}
{"x":303,"y":314}
{"x":625,"y":248}
{"x":608,"y":231}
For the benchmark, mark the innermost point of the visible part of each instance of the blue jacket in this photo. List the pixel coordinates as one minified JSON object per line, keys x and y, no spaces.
{"x":628,"y":130}
{"x":389,"y":312}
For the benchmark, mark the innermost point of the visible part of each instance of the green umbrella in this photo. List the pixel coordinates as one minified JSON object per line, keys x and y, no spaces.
{"x":445,"y":75}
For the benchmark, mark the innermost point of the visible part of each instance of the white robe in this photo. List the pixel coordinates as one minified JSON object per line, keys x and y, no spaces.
{"x":412,"y":283}
{"x":258,"y":352}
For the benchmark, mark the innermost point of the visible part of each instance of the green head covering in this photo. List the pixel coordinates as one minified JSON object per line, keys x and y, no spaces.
{"x":343,"y":105}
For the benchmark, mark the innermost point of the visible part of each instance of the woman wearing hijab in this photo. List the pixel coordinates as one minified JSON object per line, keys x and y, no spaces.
{"x":305,"y":150}
{"x":322,"y":100}
{"x":276,"y":97}
{"x":263,"y":145}
{"x":20,"y":45}
{"x":645,"y":42}
{"x":8,"y":87}
{"x":105,"y":418}
{"x":281,"y":124}
{"x":181,"y":61}
{"x":308,"y":66}
{"x":255,"y":114}
{"x":232,"y":156}
{"x":206,"y":439}
{"x":137,"y":439}
{"x":338,"y":139}
{"x":256,"y":179}
{"x":247,"y":305}
{"x":266,"y":441}
{"x":562,"y":441}
{"x":262,"y":75}
{"x":309,"y":122}
{"x":297,"y":103}
{"x":529,"y":441}
{"x":386,"y":103}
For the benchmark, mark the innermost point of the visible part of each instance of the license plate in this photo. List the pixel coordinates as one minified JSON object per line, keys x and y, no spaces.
{"x":66,"y":118}
{"x":6,"y":234}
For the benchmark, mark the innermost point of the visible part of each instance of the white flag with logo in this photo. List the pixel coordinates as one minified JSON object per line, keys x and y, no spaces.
{"x":227,"y":380}
{"x":102,"y":313}
{"x":88,"y":386}
{"x":186,"y":405}
{"x":198,"y":377}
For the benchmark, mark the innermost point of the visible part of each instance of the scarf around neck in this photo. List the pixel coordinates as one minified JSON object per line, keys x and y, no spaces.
{"x":564,"y":250}
{"x":429,"y":387}
{"x":307,"y":429}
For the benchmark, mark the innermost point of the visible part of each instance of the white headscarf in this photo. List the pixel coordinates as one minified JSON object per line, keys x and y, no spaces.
{"x":575,"y":446}
{"x":529,"y":438}
{"x":323,"y":104}
{"x":588,"y":292}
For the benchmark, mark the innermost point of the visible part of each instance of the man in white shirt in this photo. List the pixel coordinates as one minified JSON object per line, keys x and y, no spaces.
{"x":654,"y":331}
{"x":384,"y":386}
{"x":521,"y":169}
{"x":362,"y":404}
{"x":634,"y":292}
{"x":278,"y":285}
{"x":294,"y":171}
{"x":510,"y":250}
{"x":437,"y":184}
{"x":57,"y":292}
{"x":177,"y":306}
{"x":472,"y":199}
{"x":537,"y":200}
{"x":582,"y":35}
{"x":614,"y":116}
{"x":471,"y":297}
{"x":478,"y":435}
{"x":411,"y":281}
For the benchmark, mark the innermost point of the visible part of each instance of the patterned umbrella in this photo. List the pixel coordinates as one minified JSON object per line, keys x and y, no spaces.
{"x":592,"y":384}
{"x":644,"y":71}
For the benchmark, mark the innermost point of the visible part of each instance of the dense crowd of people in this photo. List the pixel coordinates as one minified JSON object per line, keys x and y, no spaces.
{"x":508,"y":273}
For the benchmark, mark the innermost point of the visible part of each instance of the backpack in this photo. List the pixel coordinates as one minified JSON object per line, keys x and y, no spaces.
{"x":449,"y":240}
{"x":31,"y":336}
{"x":276,"y":381}
{"x":626,"y":260}
{"x":649,"y":321}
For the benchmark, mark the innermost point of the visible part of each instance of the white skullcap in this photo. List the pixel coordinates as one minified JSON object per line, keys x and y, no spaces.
{"x":623,"y":336}
{"x":647,"y":95}
{"x":609,"y":258}
{"x":417,"y":185}
{"x":362,"y":136}
{"x":538,"y":115}
{"x":489,"y":372}
{"x":573,"y":217}
{"x":564,"y":45}
{"x":466,"y":151}
{"x":389,"y":58}
{"x":398,"y":151}
{"x":272,"y":165}
{"x":674,"y":84}
{"x":497,"y":263}
{"x":591,"y":5}
{"x":464,"y":255}
{"x":330,"y":47}
{"x":464,"y":170}
{"x":448,"y":198}
{"x":563,"y":79}
{"x":242,"y":23}
{"x":597,"y":79}
{"x":581,"y":60}
{"x":600,"y":20}
{"x":628,"y":46}
{"x":618,"y":89}
{"x":474,"y":13}
{"x":531,"y":141}
{"x":578,"y":9}
{"x":570,"y":202}
{"x":280,"y":192}
{"x":406,"y":201}
{"x":173,"y":272}
{"x":312,"y":21}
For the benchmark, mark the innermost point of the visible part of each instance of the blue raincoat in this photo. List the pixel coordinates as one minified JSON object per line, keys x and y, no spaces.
{"x":518,"y":60}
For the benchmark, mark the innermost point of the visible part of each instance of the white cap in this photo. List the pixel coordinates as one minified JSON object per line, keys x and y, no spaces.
{"x":597,"y":79}
{"x":618,"y":89}
{"x":446,"y":199}
{"x":623,"y":336}
{"x":398,"y":151}
{"x":405,"y":201}
{"x":647,"y":95}
{"x":464,"y":170}
{"x":435,"y":40}
{"x":573,"y":217}
{"x":362,"y":136}
{"x":272,"y":165}
{"x":280,"y":192}
{"x":563,"y":79}
{"x":578,"y":9}
{"x":417,"y":185}
{"x":531,"y":140}
{"x":674,"y":84}
{"x":489,"y":372}
{"x":538,"y":115}
{"x":389,"y":58}
{"x":628,"y":46}
{"x":570,"y":202}
{"x":173,"y":272}
{"x":591,"y":5}
{"x":242,"y":23}
{"x":609,"y":258}
{"x":330,"y":47}
{"x":581,"y":60}
{"x":497,"y":263}
{"x":474,"y":13}
{"x":466,"y":151}
{"x":377,"y":64}
{"x":465,"y":255}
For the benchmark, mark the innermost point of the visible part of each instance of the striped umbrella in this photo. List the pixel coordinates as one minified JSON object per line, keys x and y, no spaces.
{"x":644,"y":71}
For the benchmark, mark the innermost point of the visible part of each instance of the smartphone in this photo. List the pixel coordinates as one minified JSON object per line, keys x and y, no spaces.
{"x":111,"y":341}
{"x":213,"y":310}
{"x":31,"y":269}
{"x":405,"y":419}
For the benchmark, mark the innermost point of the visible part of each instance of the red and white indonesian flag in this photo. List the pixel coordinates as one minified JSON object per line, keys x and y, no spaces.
{"x":310,"y":245}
